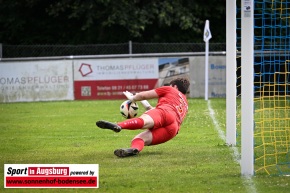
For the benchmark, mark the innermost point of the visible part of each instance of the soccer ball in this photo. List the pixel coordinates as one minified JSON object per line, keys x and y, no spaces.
{"x":129,"y":109}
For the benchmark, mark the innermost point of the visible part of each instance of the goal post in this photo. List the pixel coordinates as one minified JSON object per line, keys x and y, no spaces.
{"x":247,"y":110}
{"x":247,"y":62}
{"x":247,"y":90}
{"x":231,"y":64}
{"x":262,"y":82}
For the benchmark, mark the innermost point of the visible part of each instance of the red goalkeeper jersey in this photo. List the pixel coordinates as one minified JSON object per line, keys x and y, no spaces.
{"x":172,"y":100}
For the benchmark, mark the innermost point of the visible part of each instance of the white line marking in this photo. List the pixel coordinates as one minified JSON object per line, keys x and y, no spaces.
{"x":236,"y":155}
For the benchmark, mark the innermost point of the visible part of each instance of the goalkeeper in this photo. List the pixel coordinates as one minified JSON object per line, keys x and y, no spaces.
{"x":160,"y":124}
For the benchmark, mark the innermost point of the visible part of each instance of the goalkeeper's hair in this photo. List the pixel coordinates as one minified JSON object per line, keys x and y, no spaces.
{"x":181,"y":83}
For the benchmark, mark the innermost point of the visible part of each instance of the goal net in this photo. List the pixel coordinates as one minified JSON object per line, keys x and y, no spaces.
{"x":271,"y":85}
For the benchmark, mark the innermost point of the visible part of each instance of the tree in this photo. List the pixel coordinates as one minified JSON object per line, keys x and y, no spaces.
{"x":109,"y":21}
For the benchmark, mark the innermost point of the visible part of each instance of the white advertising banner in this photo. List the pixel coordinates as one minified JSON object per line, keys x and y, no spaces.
{"x":116,"y":69}
{"x":36,"y":81}
{"x":216,"y":77}
{"x":108,"y":78}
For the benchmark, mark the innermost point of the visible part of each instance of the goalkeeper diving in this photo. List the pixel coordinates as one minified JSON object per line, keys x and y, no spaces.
{"x":160,"y":124}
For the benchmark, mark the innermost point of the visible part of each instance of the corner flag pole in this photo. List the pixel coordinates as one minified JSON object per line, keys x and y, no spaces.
{"x":206,"y":38}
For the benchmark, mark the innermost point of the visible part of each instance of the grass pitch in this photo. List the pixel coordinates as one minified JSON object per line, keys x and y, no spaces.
{"x":196,"y":160}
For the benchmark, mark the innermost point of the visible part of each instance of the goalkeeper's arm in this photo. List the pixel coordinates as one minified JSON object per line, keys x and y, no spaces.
{"x":146,"y":105}
{"x":144,"y":102}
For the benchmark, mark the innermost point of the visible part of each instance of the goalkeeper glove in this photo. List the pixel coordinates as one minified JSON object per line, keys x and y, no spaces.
{"x":145,"y":104}
{"x":129,"y":96}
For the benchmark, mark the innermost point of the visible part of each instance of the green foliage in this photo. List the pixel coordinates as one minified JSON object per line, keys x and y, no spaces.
{"x":196,"y":160}
{"x":108,"y":21}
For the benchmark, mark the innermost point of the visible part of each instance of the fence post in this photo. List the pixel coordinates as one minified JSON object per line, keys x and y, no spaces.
{"x":130,"y":47}
{"x":0,"y":50}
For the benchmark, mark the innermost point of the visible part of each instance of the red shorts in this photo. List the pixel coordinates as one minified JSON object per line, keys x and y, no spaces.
{"x":165,"y":125}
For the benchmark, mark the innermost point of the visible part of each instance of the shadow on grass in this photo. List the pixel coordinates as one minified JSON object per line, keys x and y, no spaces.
{"x":143,"y":154}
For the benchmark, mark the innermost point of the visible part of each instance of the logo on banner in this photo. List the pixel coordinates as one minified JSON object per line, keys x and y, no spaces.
{"x":85,"y":69}
{"x":51,"y":175}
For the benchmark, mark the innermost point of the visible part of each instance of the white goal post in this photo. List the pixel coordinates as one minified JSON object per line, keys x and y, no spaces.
{"x":247,"y":100}
{"x":247,"y":74}
{"x":231,"y":65}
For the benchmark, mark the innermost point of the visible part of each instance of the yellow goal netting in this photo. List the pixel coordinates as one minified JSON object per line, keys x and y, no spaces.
{"x":272,"y":126}
{"x":271,"y":86}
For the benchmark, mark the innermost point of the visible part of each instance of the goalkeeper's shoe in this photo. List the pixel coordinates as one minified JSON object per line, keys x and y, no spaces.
{"x":126,"y":152}
{"x":109,"y":125}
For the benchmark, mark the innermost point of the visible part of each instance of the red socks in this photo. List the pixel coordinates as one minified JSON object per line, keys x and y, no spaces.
{"x":138,"y":143}
{"x":132,"y":124}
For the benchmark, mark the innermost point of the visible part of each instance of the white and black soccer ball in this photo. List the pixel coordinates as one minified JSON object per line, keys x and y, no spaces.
{"x":129,"y":109}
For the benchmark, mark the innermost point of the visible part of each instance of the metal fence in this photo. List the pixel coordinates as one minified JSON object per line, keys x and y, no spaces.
{"x":20,"y":51}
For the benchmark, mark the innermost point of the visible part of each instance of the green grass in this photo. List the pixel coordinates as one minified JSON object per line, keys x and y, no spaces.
{"x":196,"y":160}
